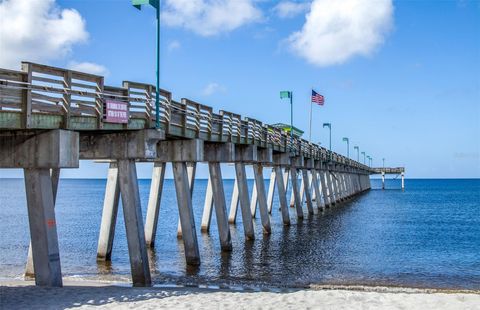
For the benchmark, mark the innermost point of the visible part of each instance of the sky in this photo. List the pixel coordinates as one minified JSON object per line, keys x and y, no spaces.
{"x":401,"y":79}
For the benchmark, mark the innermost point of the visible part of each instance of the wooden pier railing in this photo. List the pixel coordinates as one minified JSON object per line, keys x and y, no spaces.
{"x":45,"y":97}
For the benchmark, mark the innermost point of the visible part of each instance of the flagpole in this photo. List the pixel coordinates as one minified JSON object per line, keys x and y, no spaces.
{"x":311,"y":107}
{"x":291,"y":119}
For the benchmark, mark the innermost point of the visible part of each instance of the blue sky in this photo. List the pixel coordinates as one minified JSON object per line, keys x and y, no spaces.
{"x":413,"y":97}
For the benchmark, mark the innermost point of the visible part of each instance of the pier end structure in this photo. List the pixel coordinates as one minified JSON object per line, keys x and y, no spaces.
{"x":383,"y":171}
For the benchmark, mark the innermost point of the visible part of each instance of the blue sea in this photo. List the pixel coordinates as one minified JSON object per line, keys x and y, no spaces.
{"x":427,"y":236}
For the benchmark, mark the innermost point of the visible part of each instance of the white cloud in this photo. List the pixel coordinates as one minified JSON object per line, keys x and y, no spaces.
{"x":213,"y":88}
{"x":38,"y":31}
{"x":209,"y":17}
{"x":88,"y":67}
{"x":335,"y":31}
{"x":173,"y":45}
{"x":288,"y":9}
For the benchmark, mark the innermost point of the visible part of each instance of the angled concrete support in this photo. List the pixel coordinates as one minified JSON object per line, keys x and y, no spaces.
{"x":55,"y":175}
{"x":261,"y":196}
{"x":331,"y":187}
{"x":254,"y":200}
{"x":244,"y":201}
{"x":326,"y":198}
{"x":271,"y":190}
{"x":296,"y":193}
{"x":109,"y":214}
{"x":132,"y":213}
{"x":191,"y":170}
{"x":232,"y":216}
{"x":282,"y":195}
{"x":184,"y":199}
{"x":207,"y":208}
{"x":316,"y":190}
{"x":43,"y":227}
{"x":154,"y":199}
{"x":307,"y":190}
{"x":220,"y":205}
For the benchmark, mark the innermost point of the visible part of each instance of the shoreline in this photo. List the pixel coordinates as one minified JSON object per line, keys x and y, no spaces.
{"x":250,"y":287}
{"x":17,"y":294}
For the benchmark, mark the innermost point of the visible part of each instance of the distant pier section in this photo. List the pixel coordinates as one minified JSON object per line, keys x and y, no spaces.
{"x":399,"y":171}
{"x":51,"y":118}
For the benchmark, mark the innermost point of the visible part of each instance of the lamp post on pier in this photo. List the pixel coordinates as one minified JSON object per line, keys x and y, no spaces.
{"x":363,"y":153}
{"x":156,"y":4}
{"x":348,"y":146}
{"x":383,"y":165}
{"x":358,"y":153}
{"x":329,"y":125}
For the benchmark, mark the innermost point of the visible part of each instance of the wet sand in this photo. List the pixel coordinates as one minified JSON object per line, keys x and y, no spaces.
{"x":102,"y":295}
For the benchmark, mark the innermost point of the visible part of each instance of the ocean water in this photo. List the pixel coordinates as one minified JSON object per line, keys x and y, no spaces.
{"x":427,"y":236}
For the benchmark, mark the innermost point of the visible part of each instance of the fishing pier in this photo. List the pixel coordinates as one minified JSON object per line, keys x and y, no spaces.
{"x":51,"y":118}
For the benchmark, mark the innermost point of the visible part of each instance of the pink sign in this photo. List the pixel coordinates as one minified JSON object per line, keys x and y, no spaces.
{"x":116,"y":111}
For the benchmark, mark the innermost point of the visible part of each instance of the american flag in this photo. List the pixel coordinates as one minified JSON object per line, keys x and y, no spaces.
{"x":317,"y":98}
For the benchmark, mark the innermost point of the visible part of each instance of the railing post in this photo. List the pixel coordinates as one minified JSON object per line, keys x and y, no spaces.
{"x":27,"y":96}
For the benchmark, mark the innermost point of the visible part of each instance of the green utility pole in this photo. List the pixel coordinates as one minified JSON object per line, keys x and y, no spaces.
{"x":358,"y":153}
{"x":348,"y":146}
{"x":329,"y":125}
{"x":289,"y":94}
{"x":156,"y":4}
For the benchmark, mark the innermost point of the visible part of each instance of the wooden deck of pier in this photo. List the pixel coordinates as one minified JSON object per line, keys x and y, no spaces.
{"x":50,"y":118}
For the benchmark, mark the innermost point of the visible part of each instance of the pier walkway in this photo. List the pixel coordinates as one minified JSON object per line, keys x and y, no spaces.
{"x":50,"y":118}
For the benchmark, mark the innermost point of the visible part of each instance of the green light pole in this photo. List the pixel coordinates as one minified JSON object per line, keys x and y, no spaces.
{"x":363,"y":153}
{"x":156,"y":4}
{"x":358,"y":153}
{"x":383,"y":165}
{"x":329,"y":125}
{"x":348,"y":146}
{"x":289,"y":94}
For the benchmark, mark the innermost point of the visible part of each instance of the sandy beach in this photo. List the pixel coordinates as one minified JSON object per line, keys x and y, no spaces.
{"x":86,"y":295}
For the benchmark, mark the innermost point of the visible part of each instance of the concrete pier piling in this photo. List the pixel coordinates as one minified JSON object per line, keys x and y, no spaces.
{"x":154,"y":199}
{"x":185,"y":210}
{"x":55,"y":176}
{"x":109,"y":214}
{"x":220,"y":206}
{"x":307,"y":191}
{"x":261,"y":197}
{"x":232,"y":215}
{"x":42,"y":136}
{"x":207,"y":207}
{"x":38,"y":152}
{"x":247,"y":218}
{"x":271,"y":190}
{"x":316,"y":190}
